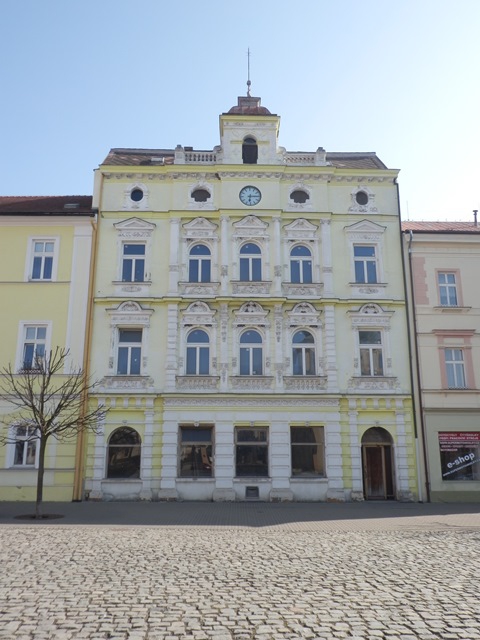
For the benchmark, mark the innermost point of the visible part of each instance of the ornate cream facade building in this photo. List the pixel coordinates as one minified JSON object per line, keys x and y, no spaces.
{"x":249,"y":323}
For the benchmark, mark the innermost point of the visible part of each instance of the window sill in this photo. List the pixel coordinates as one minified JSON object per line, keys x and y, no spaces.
{"x":452,"y":309}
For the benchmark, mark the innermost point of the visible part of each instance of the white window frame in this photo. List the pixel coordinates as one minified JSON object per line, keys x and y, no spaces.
{"x":134,"y":259}
{"x":311,"y":346}
{"x":200,"y":259}
{"x":448,"y":287}
{"x":22,"y":338}
{"x":249,"y":347}
{"x":370,"y":349}
{"x":365,"y":260}
{"x":28,"y":277}
{"x":197,"y":347}
{"x":455,"y":365}
{"x":249,"y":258}
{"x":129,"y":346}
{"x":301,"y":260}
{"x":12,"y":445}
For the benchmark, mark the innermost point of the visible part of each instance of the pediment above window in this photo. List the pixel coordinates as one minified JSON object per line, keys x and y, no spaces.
{"x":365,"y":230}
{"x":371,"y":315}
{"x":134,"y":228}
{"x":130,"y":313}
{"x":199,"y":228}
{"x":303,"y":314}
{"x":250,"y":227}
{"x":198,"y":314}
{"x":251,"y":313}
{"x":300,"y":229}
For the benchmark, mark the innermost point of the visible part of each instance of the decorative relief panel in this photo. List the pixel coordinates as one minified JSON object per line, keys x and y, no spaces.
{"x":252,"y":383}
{"x":130,"y":383}
{"x":199,"y":289}
{"x":200,"y":229}
{"x":250,"y":227}
{"x":197,"y":383}
{"x":249,"y":402}
{"x":364,"y":383}
{"x":363,"y":200}
{"x":371,"y":315}
{"x":134,"y":229}
{"x":305,"y":383}
{"x":251,"y":288}
{"x":313,"y":289}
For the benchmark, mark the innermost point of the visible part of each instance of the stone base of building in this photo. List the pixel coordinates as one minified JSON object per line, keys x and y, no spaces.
{"x":281,"y":495}
{"x":224,"y":495}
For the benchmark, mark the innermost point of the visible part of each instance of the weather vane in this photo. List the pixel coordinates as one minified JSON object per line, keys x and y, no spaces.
{"x":248,"y":66}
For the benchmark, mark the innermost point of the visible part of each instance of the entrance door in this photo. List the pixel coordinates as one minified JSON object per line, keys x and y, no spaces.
{"x":377,"y":465}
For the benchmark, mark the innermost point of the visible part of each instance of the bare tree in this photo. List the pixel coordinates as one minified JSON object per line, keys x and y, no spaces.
{"x":47,"y":403}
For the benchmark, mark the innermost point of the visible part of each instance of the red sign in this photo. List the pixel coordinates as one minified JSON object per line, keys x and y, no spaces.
{"x":452,"y":440}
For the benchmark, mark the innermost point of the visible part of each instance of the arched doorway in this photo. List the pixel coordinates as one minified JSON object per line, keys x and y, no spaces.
{"x":377,"y":463}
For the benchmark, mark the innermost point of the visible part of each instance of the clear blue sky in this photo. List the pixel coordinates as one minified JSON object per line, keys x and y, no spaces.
{"x":400,"y":78}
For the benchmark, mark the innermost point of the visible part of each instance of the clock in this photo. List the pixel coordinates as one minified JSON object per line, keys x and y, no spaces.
{"x":250,"y":196}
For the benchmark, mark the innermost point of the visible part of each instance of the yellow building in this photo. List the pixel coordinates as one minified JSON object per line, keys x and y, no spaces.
{"x":249,"y":325}
{"x":442,"y":265}
{"x":45,"y":247}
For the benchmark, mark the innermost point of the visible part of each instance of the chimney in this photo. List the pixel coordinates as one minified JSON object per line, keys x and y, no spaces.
{"x":475,"y":211}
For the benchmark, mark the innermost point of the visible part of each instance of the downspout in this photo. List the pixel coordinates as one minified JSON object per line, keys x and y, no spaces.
{"x":410,"y":352}
{"x":417,"y":370}
{"x":81,"y":440}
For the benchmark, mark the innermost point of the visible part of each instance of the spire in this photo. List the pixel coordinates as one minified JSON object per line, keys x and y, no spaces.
{"x":248,"y":76}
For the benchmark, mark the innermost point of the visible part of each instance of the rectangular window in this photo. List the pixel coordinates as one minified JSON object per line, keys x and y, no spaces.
{"x":455,"y":369}
{"x":251,"y":452}
{"x":365,"y":264}
{"x":25,"y":447}
{"x":34,"y":345}
{"x":196,"y":452}
{"x":129,"y":352}
{"x":371,"y":353}
{"x":447,"y":287}
{"x":308,"y":451}
{"x":460,"y":455}
{"x":133,"y":263}
{"x":250,"y":269}
{"x":42,"y":262}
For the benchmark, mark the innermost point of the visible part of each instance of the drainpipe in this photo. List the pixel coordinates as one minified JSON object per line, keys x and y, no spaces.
{"x":410,"y":351}
{"x":81,"y":439}
{"x":416,"y":375}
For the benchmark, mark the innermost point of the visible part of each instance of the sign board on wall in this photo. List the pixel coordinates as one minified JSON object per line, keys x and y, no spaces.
{"x":460,"y":454}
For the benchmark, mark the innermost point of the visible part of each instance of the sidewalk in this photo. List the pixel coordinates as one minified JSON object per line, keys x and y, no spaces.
{"x":303,"y":515}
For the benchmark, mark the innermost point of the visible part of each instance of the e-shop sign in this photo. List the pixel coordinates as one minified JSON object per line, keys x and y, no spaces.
{"x":459,"y":454}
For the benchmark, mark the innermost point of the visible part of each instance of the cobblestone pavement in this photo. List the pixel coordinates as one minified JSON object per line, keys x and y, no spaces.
{"x":417,"y":579}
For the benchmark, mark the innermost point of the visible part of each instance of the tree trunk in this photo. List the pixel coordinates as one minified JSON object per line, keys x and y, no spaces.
{"x":40,"y":474}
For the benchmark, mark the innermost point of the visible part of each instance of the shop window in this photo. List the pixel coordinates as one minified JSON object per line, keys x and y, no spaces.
{"x":196,"y":452}
{"x":308,"y":451}
{"x":124,"y":454}
{"x":460,"y":455}
{"x":251,"y":452}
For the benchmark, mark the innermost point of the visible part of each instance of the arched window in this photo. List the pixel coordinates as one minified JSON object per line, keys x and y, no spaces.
{"x":251,"y":354}
{"x":200,"y":195}
{"x":249,"y":151}
{"x":199,"y":264}
{"x":250,"y":263}
{"x":299,"y":196}
{"x":124,"y":454}
{"x":303,"y":354}
{"x":300,"y":265}
{"x":198,"y":353}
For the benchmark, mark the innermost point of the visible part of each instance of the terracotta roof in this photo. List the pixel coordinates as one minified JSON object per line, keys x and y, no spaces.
{"x":38,"y":205}
{"x":139,"y":157}
{"x":355,"y":160}
{"x":248,"y":106}
{"x":440,"y":227}
{"x":155,"y":157}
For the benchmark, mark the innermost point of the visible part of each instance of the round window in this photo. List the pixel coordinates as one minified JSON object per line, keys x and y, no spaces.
{"x":136,"y":195}
{"x":361,"y":197}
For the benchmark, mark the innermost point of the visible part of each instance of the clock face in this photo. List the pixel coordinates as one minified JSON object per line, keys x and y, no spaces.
{"x":250,"y":196}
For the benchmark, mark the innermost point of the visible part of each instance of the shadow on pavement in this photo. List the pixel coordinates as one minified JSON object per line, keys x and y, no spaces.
{"x":237,"y":514}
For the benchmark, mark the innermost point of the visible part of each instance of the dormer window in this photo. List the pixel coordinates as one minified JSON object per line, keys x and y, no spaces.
{"x":249,"y":151}
{"x":200,"y":195}
{"x":299,"y":196}
{"x":361,"y":197}
{"x":136,"y":195}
